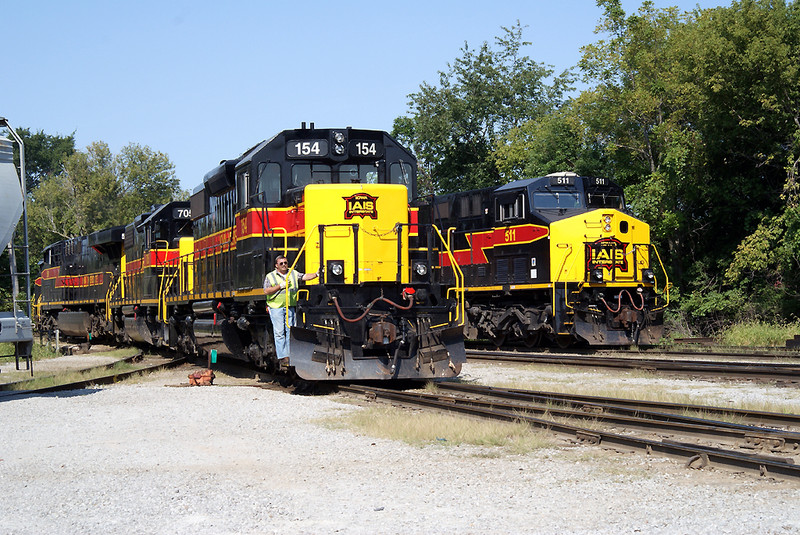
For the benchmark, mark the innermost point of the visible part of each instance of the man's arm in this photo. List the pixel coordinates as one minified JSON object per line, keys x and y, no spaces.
{"x":269,"y":290}
{"x":310,"y":276}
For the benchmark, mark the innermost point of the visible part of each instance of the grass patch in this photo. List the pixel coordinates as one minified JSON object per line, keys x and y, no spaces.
{"x":70,"y":377}
{"x":39,"y":352}
{"x":422,"y":428}
{"x":758,"y":334}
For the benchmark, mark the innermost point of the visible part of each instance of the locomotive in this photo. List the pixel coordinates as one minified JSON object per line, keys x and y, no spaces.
{"x":554,"y":259}
{"x":189,"y":275}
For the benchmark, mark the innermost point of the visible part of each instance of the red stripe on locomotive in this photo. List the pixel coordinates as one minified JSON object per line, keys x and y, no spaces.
{"x":481,"y":241}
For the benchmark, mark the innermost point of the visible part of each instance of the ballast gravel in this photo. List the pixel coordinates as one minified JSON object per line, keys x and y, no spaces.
{"x":155,"y":458}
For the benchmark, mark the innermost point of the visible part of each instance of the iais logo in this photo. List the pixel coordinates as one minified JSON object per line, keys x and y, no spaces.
{"x":361,"y":205}
{"x":607,"y":253}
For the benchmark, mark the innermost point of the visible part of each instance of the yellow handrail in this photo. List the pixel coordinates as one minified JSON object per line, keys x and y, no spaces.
{"x":285,"y":238}
{"x":162,"y":292}
{"x":667,"y":284}
{"x":458,"y":274}
{"x":459,"y":280}
{"x":309,"y":235}
{"x":110,"y":292}
{"x":558,"y":276}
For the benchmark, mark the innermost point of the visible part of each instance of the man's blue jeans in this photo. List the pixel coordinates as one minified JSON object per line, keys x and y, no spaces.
{"x":281,"y":330}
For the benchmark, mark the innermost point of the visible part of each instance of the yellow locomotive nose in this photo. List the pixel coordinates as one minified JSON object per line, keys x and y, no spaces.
{"x":599,"y":246}
{"x":359,"y":225}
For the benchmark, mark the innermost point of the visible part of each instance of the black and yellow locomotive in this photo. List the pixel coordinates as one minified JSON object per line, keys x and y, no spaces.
{"x":333,"y":201}
{"x":73,"y":290}
{"x":554,"y":259}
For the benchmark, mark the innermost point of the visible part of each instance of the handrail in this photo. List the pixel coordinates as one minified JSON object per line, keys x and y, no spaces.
{"x":110,"y":292}
{"x":162,"y":292}
{"x":459,"y":280}
{"x":300,"y":253}
{"x":450,"y":231}
{"x":285,"y":238}
{"x":458,"y":273}
{"x":558,"y":276}
{"x":667,"y":284}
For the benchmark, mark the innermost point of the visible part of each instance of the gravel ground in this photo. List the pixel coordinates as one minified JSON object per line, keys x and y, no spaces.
{"x":154,"y":458}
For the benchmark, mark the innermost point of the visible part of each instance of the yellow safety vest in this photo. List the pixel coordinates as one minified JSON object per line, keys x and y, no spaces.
{"x":278,"y":299}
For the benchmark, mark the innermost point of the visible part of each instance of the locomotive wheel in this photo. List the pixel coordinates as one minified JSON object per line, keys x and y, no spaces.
{"x":564,"y":341}
{"x":498,"y":340}
{"x":533,"y":340}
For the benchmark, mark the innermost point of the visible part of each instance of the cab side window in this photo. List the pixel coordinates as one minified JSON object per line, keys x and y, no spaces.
{"x":269,"y":182}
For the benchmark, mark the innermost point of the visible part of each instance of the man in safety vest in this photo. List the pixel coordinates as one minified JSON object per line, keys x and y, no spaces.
{"x":277,"y":284}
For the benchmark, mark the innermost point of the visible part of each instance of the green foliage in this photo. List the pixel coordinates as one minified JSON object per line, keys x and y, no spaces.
{"x":557,"y":141}
{"x":147,"y":178}
{"x":699,"y":114}
{"x":44,"y":154}
{"x":454,"y":126}
{"x":97,"y":189}
{"x":759,"y":334}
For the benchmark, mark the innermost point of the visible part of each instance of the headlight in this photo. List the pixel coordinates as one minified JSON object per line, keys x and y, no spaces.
{"x":421,"y":269}
{"x":338,"y":143}
{"x":648,"y":276}
{"x":597,"y":275}
{"x":607,"y":228}
{"x":337,"y":269}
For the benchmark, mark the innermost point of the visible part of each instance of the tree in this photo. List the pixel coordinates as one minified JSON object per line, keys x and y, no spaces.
{"x":557,"y":141}
{"x":44,"y":154}
{"x":751,"y":117}
{"x":699,"y":115}
{"x":453,"y":128}
{"x":98,"y":189}
{"x":638,"y":107}
{"x":147,"y":178}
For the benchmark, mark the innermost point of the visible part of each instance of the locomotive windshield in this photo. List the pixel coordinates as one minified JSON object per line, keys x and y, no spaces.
{"x":355,"y":173}
{"x":564,"y":192}
{"x":400,"y":173}
{"x":558,"y":200}
{"x":602,"y":193}
{"x":304,"y":174}
{"x":606,"y":199}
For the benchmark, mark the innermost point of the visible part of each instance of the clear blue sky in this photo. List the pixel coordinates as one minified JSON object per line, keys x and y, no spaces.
{"x":203,"y":81}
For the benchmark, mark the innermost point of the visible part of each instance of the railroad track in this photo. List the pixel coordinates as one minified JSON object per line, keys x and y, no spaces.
{"x":652,"y":427}
{"x":100,"y":380}
{"x":780,"y":372}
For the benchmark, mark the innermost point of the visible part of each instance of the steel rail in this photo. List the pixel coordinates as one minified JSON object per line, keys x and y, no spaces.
{"x":106,"y":379}
{"x":788,"y":372}
{"x":760,"y":417}
{"x":756,"y":353}
{"x":694,"y":454}
{"x":750,"y":436}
